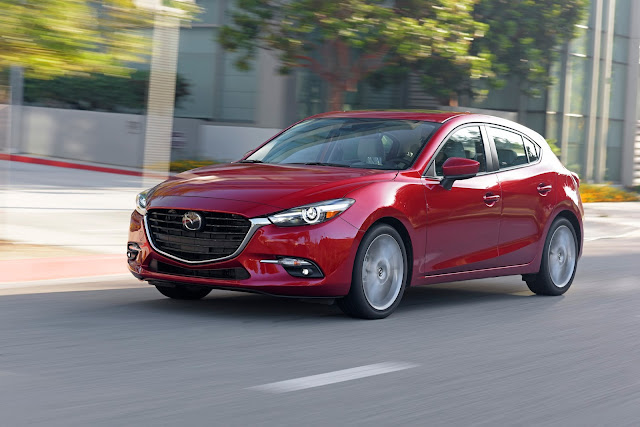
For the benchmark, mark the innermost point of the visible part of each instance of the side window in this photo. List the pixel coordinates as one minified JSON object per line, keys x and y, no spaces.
{"x":533,"y":151}
{"x":509,"y":146}
{"x":466,"y":143}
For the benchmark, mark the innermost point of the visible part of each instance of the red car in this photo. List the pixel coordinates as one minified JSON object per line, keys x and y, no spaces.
{"x":356,"y":206}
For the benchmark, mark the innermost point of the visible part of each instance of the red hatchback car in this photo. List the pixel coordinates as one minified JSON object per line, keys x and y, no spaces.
{"x":356,"y":206}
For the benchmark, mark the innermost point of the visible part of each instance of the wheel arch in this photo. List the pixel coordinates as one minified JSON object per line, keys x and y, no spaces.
{"x":573,"y":219}
{"x":406,"y":239}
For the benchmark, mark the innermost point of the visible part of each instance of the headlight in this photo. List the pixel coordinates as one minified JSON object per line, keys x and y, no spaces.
{"x":311,"y":214}
{"x":142,"y":200}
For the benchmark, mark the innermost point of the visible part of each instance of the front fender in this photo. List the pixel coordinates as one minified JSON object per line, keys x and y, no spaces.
{"x":402,"y":201}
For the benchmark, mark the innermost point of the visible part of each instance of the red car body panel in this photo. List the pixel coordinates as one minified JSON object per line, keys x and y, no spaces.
{"x":463,"y":230}
{"x":332,"y":243}
{"x":278,"y":186}
{"x":449,"y":235}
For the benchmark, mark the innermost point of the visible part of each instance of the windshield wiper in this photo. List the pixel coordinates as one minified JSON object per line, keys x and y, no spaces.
{"x":340,"y":165}
{"x":250,"y":161}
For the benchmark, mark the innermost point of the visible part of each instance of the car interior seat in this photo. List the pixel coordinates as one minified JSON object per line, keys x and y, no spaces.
{"x":370,"y":150}
{"x":480,"y":157}
{"x":506,"y":157}
{"x":452,"y":148}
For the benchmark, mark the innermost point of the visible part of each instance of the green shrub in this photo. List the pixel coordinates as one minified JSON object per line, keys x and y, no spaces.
{"x":185,"y":165}
{"x":96,"y":92}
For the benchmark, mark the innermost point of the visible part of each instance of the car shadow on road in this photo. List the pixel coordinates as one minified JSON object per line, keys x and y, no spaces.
{"x":245,"y":305}
{"x":254,"y":306}
{"x":463,"y":293}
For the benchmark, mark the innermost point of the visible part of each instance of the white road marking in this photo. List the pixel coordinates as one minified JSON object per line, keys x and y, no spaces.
{"x":632,"y":233}
{"x":333,"y":377}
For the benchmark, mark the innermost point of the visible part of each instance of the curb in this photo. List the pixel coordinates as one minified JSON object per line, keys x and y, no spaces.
{"x":64,"y":282}
{"x":74,"y":165}
{"x":16,"y":271}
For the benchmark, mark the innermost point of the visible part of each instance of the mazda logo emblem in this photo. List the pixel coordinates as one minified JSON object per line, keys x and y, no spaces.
{"x":192,"y":221}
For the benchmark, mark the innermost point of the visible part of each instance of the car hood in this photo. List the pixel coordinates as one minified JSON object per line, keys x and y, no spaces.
{"x":275,"y":187}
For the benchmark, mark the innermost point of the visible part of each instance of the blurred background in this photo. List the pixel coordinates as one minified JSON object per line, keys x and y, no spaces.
{"x":102,"y":99}
{"x":143,"y":88}
{"x":77,"y":73}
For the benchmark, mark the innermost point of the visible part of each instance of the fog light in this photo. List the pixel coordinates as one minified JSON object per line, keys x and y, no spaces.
{"x":297,"y":267}
{"x":133,"y":249}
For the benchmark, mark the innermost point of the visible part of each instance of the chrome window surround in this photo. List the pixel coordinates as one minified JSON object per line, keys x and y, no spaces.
{"x":256,"y":223}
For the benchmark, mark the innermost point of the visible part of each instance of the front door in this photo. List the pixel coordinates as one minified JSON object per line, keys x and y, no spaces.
{"x":462,"y":223}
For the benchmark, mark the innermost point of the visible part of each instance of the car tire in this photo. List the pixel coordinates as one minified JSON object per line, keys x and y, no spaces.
{"x":559,"y":261}
{"x":184,"y":292}
{"x":379,"y":275}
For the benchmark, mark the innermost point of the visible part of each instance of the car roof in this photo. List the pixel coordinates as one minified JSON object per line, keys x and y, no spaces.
{"x":426,"y":115}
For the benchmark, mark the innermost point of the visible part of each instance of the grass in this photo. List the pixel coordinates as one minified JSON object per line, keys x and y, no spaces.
{"x":185,"y":165}
{"x":606,"y":193}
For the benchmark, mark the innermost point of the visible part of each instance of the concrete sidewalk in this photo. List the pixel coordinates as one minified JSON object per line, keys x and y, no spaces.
{"x":72,"y":223}
{"x":79,"y":209}
{"x":612,"y":220}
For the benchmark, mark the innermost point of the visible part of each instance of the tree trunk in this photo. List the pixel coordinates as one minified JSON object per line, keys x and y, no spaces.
{"x":336,"y":95}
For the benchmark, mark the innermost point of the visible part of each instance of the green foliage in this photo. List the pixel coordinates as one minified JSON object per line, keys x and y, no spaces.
{"x":60,"y":37}
{"x":524,"y":36}
{"x":185,"y":165}
{"x":96,"y":92}
{"x":444,"y":78}
{"x":345,"y":41}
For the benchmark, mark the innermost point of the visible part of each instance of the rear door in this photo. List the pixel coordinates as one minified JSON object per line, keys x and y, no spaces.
{"x":462,"y":223}
{"x":528,"y":194}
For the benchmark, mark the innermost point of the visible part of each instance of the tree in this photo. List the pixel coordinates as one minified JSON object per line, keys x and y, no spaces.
{"x":96,"y":92}
{"x":345,"y":41}
{"x":58,"y":37}
{"x":524,"y":36}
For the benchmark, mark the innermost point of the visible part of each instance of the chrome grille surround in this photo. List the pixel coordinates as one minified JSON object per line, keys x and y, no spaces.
{"x":252,"y":225}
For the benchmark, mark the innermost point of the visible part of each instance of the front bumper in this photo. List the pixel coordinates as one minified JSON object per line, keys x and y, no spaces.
{"x":331,"y":246}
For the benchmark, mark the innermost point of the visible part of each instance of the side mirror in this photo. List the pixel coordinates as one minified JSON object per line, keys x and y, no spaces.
{"x":455,"y":168}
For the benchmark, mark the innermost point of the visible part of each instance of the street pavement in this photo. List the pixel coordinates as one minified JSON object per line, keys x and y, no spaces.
{"x":112,"y":352}
{"x":484,"y":352}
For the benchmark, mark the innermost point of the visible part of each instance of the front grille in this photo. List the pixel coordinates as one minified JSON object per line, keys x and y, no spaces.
{"x":237,"y":273}
{"x":220,"y":236}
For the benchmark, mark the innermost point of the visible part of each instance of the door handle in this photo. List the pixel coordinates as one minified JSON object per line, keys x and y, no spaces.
{"x":491,"y":199}
{"x":544,"y":189}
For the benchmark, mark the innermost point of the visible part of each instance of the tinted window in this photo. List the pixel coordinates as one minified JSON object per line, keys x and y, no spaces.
{"x":533,"y":151}
{"x":466,"y":143}
{"x":510,"y":148}
{"x":349,"y":142}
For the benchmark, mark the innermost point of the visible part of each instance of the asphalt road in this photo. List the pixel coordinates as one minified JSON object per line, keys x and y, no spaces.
{"x":484,"y":352}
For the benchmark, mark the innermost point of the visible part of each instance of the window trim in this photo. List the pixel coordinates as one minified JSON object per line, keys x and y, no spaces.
{"x":430,"y":171}
{"x":539,"y":150}
{"x":494,"y":150}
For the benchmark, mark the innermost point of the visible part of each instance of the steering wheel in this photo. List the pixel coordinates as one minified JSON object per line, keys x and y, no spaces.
{"x":405,"y":162}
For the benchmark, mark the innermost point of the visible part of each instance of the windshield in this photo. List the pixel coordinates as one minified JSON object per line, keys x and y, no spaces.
{"x":348,"y":142}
